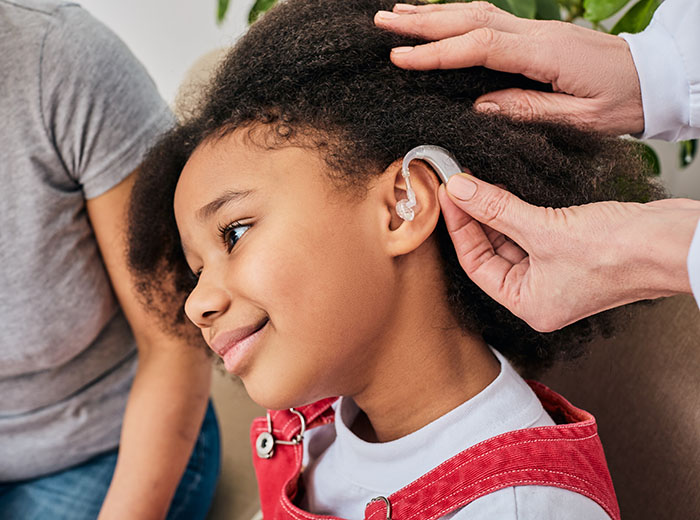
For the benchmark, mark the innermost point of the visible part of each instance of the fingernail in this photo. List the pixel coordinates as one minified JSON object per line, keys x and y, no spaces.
{"x":488,"y":107}
{"x":461,"y":186}
{"x":401,"y":50}
{"x":386,"y":15}
{"x":405,"y":8}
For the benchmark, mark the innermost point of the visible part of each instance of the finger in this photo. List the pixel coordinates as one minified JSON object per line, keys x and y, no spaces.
{"x":455,"y":217}
{"x":687,"y":204}
{"x":503,"y":246}
{"x":463,"y":228}
{"x":498,"y":277}
{"x":528,"y":105}
{"x":438,"y":24}
{"x":495,"y":207}
{"x":468,"y":235}
{"x":497,"y":50}
{"x":426,"y":8}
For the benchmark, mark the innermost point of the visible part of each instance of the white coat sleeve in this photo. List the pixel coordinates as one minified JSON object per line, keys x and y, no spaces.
{"x":694,"y":264}
{"x":667,"y":57}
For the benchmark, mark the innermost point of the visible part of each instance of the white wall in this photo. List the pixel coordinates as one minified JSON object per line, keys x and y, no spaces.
{"x":169,"y":36}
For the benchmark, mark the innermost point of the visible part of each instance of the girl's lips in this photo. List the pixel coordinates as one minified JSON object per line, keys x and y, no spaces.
{"x":235,"y":346}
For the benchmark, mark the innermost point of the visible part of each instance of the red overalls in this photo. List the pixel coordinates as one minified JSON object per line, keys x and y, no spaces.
{"x":568,"y":456}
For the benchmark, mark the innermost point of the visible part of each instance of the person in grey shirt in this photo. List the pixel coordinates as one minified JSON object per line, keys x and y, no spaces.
{"x":95,"y":398}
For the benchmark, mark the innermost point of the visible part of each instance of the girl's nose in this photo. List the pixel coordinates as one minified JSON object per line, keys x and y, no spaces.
{"x":206,"y":303}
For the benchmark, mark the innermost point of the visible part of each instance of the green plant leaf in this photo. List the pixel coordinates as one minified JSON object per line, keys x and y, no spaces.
{"x":637,"y":18}
{"x":523,"y":8}
{"x":650,"y":157}
{"x":259,"y":7}
{"x":688,"y":150}
{"x":221,"y":10}
{"x":597,"y":10}
{"x":548,"y":10}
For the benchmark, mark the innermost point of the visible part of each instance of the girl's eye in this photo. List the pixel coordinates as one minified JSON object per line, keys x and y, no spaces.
{"x":231,"y":234}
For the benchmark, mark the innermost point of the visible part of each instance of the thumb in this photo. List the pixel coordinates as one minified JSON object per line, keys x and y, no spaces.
{"x":528,"y":105}
{"x":493,"y":206}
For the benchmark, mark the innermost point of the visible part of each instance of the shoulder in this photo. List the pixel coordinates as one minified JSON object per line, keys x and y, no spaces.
{"x":24,"y":25}
{"x":73,"y":34}
{"x":36,"y":19}
{"x":33,"y":8}
{"x":98,"y":104}
{"x":531,"y":503}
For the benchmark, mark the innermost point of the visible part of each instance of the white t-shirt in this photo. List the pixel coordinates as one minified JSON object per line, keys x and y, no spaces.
{"x":343,"y":472}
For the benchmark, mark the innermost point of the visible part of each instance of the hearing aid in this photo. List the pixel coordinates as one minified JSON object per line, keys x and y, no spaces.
{"x":441,"y":160}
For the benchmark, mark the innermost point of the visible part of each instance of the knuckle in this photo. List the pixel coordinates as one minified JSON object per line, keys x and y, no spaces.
{"x":438,"y":50}
{"x":541,"y":325}
{"x":484,"y":37}
{"x":495,"y":207}
{"x":421,"y":22}
{"x":544,"y":322}
{"x":446,"y":52}
{"x":481,"y":13}
{"x":474,"y":257}
{"x":524,"y":107}
{"x":484,"y":7}
{"x":552,"y":27}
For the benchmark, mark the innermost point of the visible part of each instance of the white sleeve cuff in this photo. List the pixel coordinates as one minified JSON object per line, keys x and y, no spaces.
{"x":694,"y":264}
{"x":665,"y":92}
{"x":666,"y":56}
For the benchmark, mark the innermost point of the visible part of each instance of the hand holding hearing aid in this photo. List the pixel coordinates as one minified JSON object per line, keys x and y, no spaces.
{"x":552,"y":267}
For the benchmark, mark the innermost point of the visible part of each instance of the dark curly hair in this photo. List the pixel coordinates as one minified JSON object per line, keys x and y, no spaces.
{"x":317,"y":73}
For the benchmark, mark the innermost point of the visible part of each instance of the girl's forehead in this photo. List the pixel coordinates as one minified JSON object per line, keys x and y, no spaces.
{"x":234,"y":164}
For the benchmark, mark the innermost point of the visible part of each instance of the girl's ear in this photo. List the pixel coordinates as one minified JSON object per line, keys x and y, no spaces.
{"x":404,"y":236}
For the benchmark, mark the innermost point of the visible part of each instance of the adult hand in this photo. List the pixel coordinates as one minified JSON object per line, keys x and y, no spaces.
{"x":592,"y":74}
{"x":552,"y":267}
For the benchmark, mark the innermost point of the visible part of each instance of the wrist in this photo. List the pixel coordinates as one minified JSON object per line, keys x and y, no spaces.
{"x":622,"y":111}
{"x":663,"y":242}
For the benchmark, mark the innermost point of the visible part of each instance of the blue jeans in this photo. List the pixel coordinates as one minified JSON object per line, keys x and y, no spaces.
{"x":77,"y":493}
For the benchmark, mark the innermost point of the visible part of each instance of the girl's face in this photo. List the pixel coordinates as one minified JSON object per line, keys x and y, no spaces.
{"x":295,"y":288}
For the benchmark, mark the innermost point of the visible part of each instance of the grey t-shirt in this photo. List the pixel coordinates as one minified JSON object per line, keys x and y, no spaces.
{"x":77,"y":113}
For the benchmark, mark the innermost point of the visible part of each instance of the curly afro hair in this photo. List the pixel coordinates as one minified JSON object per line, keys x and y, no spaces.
{"x":317,"y":72}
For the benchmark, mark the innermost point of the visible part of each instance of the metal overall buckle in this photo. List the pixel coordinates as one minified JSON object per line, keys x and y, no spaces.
{"x":265,"y":443}
{"x":386,"y":503}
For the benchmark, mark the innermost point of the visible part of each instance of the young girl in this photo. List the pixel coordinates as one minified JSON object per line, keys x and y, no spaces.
{"x":308,"y":284}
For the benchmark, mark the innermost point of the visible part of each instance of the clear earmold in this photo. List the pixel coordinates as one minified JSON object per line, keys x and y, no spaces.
{"x":441,"y":160}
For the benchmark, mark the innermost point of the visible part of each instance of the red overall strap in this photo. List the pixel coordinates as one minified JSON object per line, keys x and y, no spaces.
{"x":278,"y":477}
{"x":567,"y":456}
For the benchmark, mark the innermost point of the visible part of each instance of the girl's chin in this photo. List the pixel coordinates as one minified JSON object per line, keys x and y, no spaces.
{"x":268,"y":397}
{"x":272,"y":398}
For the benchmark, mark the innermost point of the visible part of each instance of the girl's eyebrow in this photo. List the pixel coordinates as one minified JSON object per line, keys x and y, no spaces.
{"x":227,"y":197}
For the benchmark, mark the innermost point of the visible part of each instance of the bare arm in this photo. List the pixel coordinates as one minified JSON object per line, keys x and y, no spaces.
{"x":170,"y":392}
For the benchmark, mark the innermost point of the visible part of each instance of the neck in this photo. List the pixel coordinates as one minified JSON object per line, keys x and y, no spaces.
{"x":427,"y":367}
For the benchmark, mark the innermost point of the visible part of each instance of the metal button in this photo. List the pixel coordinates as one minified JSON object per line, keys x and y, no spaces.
{"x":265,"y":445}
